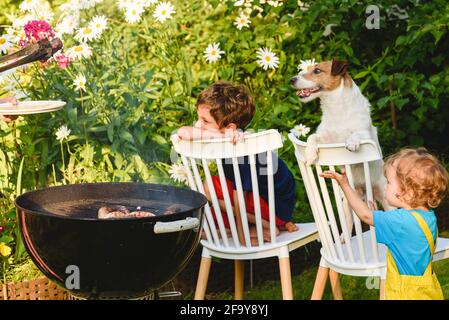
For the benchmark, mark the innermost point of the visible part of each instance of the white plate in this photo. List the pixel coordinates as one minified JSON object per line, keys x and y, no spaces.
{"x":30,"y":107}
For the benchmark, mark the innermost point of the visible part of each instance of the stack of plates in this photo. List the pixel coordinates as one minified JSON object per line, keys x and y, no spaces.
{"x":30,"y":107}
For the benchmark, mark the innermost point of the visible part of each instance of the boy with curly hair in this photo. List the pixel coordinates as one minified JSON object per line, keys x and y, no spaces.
{"x":224,"y":110}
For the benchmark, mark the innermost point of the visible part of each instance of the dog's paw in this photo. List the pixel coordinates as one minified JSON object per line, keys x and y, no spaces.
{"x":353,"y":143}
{"x":311,"y":154}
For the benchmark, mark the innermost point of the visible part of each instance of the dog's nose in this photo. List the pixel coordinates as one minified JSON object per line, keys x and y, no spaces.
{"x":293,"y":80}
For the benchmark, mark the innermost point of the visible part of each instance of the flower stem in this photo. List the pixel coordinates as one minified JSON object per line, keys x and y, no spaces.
{"x":85,"y":117}
{"x":63,"y":164}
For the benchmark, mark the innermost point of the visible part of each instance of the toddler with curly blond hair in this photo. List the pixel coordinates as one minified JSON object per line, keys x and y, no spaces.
{"x":416,"y":184}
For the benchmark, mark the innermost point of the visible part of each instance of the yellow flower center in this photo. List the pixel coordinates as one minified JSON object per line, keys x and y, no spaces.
{"x":81,"y":84}
{"x":87,"y":30}
{"x":267,"y":59}
{"x":98,"y":26}
{"x":242,"y":21}
{"x":213,"y":53}
{"x":2,"y":40}
{"x":134,"y":12}
{"x":164,"y":12}
{"x":78,"y":49}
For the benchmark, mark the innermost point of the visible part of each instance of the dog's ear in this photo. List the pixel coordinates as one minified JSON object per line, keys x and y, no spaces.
{"x":339,"y":67}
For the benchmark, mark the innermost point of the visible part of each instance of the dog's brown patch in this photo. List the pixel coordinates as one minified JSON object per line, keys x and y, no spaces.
{"x":327,"y":79}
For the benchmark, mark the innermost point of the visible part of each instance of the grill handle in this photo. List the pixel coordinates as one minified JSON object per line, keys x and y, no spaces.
{"x":176,"y":226}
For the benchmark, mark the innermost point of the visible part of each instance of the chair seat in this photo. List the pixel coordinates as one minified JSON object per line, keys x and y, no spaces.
{"x":372,"y":267}
{"x":306,"y":233}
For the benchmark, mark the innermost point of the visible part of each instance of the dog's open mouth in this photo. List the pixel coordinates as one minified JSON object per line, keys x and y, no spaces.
{"x":304,"y":93}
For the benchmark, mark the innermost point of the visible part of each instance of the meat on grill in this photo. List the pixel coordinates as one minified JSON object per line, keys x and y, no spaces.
{"x":121,"y":212}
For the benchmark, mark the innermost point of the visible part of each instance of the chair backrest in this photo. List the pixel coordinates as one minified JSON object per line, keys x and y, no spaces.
{"x":330,"y":210}
{"x":199,"y":157}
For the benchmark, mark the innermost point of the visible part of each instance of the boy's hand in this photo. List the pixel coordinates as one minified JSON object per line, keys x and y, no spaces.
{"x":342,"y":179}
{"x":235,"y":135}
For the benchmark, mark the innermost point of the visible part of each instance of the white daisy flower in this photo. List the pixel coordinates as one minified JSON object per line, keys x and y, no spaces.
{"x":267,"y":59}
{"x":80,"y":82}
{"x":163,"y":11}
{"x":306,"y":65}
{"x":28,"y":5}
{"x":98,"y":24}
{"x":42,"y":12}
{"x":71,"y":7}
{"x":300,"y":130}
{"x":242,"y":21}
{"x":68,"y":24}
{"x":213,"y":52}
{"x":133,"y":13}
{"x":144,"y":3}
{"x":123,"y":4}
{"x":178,"y":173}
{"x":78,"y":52}
{"x":86,"y":34}
{"x":5,"y":43}
{"x":86,"y":4}
{"x":239,"y":3}
{"x":62,"y":133}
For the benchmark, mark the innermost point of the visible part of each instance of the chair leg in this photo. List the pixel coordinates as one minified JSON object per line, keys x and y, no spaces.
{"x":239,"y":282}
{"x":382,"y":289}
{"x":335,"y":285}
{"x":203,"y":277}
{"x":286,"y":278}
{"x":320,"y":283}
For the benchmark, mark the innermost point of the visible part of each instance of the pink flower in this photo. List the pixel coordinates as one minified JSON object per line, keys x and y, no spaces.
{"x":63,"y":60}
{"x":36,"y":30}
{"x":2,"y":229}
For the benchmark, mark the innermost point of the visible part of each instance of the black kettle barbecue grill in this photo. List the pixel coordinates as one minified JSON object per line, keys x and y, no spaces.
{"x":122,"y":258}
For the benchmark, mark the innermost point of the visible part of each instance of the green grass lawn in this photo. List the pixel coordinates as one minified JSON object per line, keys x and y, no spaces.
{"x":353,"y":288}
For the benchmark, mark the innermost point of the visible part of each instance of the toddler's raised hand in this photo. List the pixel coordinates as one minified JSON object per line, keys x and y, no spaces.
{"x":341,"y":179}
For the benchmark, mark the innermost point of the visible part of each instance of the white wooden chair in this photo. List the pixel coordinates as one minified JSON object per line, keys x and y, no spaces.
{"x":226,"y":245}
{"x":342,"y":252}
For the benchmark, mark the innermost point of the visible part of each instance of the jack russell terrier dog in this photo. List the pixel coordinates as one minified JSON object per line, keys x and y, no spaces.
{"x":346,"y":118}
